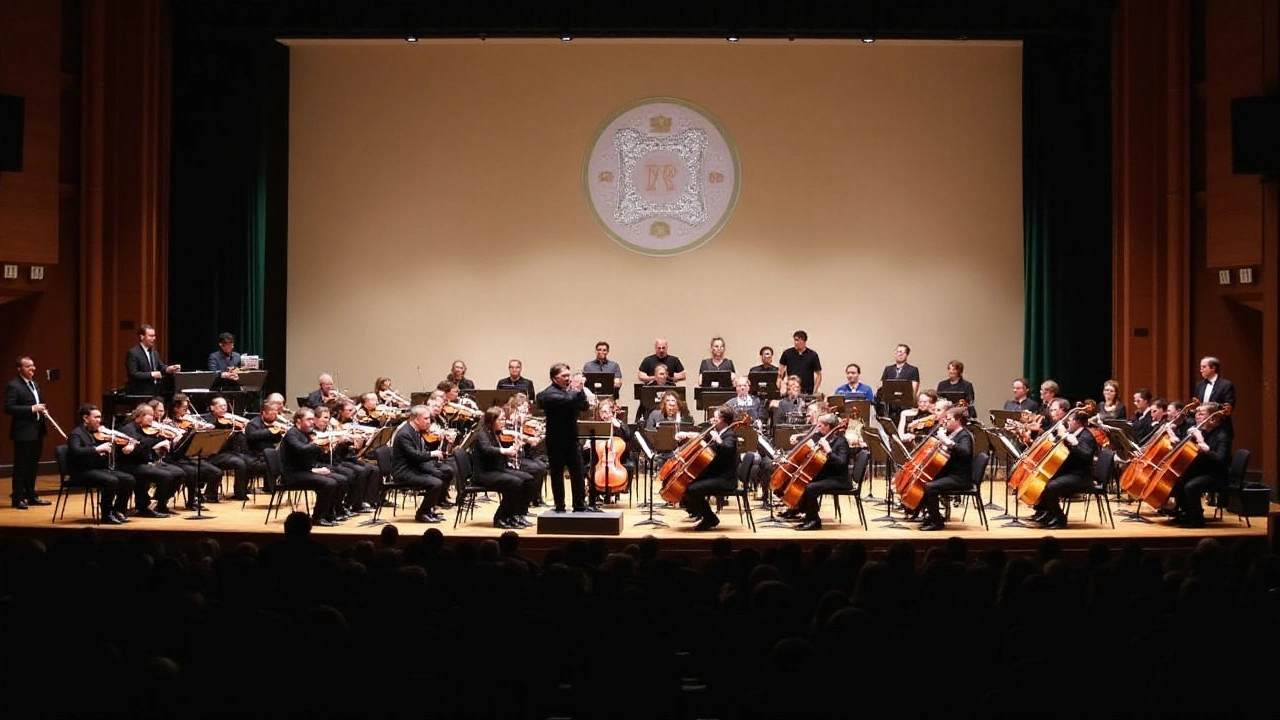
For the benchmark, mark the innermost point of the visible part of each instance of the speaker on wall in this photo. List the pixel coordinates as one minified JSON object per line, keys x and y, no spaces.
{"x":1255,"y":135}
{"x":12,"y":109}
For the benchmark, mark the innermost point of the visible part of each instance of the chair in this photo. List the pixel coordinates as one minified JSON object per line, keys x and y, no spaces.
{"x":467,"y":491}
{"x":974,"y":493}
{"x":279,"y":492}
{"x":1102,"y":472}
{"x":857,"y":473}
{"x":66,"y":484}
{"x":1235,"y":484}
{"x":747,"y":467}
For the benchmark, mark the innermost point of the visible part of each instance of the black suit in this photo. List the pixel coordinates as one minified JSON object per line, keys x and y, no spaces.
{"x":1207,"y":472}
{"x":1142,"y":426}
{"x":719,"y":477}
{"x":562,"y":407}
{"x":955,"y":476}
{"x":298,"y":455}
{"x":493,"y":471}
{"x":88,"y":467}
{"x":1223,"y":393}
{"x":834,"y":475}
{"x":142,"y":465}
{"x":412,"y":465}
{"x":139,"y":363}
{"x":1074,"y":475}
{"x":27,"y":432}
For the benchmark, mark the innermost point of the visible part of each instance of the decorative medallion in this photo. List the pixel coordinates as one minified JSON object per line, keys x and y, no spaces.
{"x":661,"y":176}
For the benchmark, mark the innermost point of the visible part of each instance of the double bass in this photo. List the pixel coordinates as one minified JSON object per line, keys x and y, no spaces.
{"x":1138,"y":473}
{"x":1175,"y":462}
{"x":688,"y":461}
{"x":808,"y":463}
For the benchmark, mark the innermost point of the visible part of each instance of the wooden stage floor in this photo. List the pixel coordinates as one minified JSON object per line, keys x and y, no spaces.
{"x":232,"y":523}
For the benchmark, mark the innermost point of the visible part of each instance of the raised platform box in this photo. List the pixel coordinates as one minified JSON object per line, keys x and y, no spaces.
{"x":608,"y":522}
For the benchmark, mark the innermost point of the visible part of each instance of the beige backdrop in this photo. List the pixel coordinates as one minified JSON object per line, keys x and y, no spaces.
{"x":436,"y":208}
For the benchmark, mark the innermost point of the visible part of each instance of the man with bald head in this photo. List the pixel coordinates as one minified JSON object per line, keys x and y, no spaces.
{"x":323,"y":393}
{"x":660,"y":357}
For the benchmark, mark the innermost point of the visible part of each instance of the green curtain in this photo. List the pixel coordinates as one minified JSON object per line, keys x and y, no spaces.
{"x":1066,"y":187}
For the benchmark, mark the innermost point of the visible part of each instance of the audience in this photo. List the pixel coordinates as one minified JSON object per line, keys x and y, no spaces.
{"x":116,"y":625}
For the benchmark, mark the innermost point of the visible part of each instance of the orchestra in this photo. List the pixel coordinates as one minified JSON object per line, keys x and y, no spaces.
{"x":1181,"y":448}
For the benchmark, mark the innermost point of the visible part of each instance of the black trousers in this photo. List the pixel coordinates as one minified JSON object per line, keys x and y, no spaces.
{"x":241,"y":464}
{"x":562,"y":456}
{"x":695,"y":496}
{"x":26,"y":464}
{"x":429,"y":485}
{"x":1058,"y":486}
{"x":163,"y":477}
{"x":114,"y":488}
{"x":1189,"y":492}
{"x":204,"y":475}
{"x":324,"y":486}
{"x":809,"y":499}
{"x":938,"y":487}
{"x":365,"y":483}
{"x":513,"y":486}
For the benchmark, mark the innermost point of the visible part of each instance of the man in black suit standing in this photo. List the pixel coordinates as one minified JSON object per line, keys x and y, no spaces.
{"x":143,"y":365}
{"x":24,"y":402}
{"x":1215,"y":388}
{"x":563,"y":403}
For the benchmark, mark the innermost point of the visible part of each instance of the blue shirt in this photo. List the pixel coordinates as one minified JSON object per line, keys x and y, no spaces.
{"x":862,"y":391}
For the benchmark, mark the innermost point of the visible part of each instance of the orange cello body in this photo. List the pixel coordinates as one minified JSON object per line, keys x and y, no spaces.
{"x":1033,"y":484}
{"x":687,"y":462}
{"x":1174,"y":464}
{"x":810,"y":462}
{"x":609,"y":475}
{"x":786,"y":468}
{"x":1138,"y":473}
{"x":1039,"y":449}
{"x":926,"y":462}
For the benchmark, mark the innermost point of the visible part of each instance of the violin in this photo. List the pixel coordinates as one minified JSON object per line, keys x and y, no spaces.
{"x":925,"y":423}
{"x":434,"y":434}
{"x":236,"y":422}
{"x":191,"y":421}
{"x":115,"y":436}
{"x":167,"y":432}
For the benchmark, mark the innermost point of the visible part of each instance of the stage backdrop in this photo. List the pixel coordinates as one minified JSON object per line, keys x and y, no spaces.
{"x":437,"y":208}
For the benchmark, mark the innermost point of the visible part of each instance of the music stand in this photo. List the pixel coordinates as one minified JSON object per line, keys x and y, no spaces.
{"x":955,"y":396}
{"x":649,"y":456}
{"x":895,"y":456}
{"x":600,"y":383}
{"x":782,"y":435}
{"x":649,"y":394}
{"x":1000,"y":418}
{"x":201,"y":443}
{"x":862,"y":406}
{"x":486,"y":399}
{"x":712,"y":399}
{"x":1005,"y":447}
{"x":764,"y":385}
{"x":383,"y":436}
{"x":420,"y":397}
{"x":898,"y":394}
{"x":252,"y":380}
{"x":197,"y":385}
{"x":716,"y":380}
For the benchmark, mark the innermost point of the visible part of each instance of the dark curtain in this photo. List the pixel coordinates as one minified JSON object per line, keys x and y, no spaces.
{"x":1066,"y":186}
{"x":228,"y":197}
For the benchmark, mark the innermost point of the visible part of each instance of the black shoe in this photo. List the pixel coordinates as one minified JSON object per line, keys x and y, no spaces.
{"x":212,"y":499}
{"x":147,"y":513}
{"x":323,"y":522}
{"x":164,"y":510}
{"x":1191,"y":521}
{"x":503,"y":523}
{"x":931,"y":525}
{"x":20,"y":504}
{"x":429,"y":518}
{"x":38,"y":501}
{"x":518,"y":520}
{"x":1055,"y":523}
{"x":1039,"y":516}
{"x":121,"y":517}
{"x":707,"y":523}
{"x":789,"y":514}
{"x":537,"y":502}
{"x":814,"y":524}
{"x":110,"y":519}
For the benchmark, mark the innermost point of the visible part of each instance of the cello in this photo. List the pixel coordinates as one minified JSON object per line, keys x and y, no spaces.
{"x":609,"y":475}
{"x":808,"y":463}
{"x":1175,"y":462}
{"x":688,"y":461}
{"x":1031,"y":487}
{"x":1040,"y":447}
{"x":1144,"y":464}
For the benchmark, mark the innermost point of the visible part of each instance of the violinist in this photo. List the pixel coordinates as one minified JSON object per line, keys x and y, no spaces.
{"x":414,"y":463}
{"x":719,"y":476}
{"x":955,"y":382}
{"x":368,"y":412}
{"x":834,"y":474}
{"x":459,"y":412}
{"x":790,"y":408}
{"x":322,"y":394}
{"x":341,"y":460}
{"x":519,"y":414}
{"x":345,"y":419}
{"x":919,"y":421}
{"x":957,"y":474}
{"x":302,"y":465}
{"x":143,"y":462}
{"x":387,"y":395}
{"x":494,"y":471}
{"x":204,"y":475}
{"x":1048,"y":392}
{"x":515,"y":380}
{"x":601,"y":455}
{"x":1075,"y":474}
{"x":1207,"y":471}
{"x":234,"y":454}
{"x":265,"y":431}
{"x":88,"y":455}
{"x":226,"y":362}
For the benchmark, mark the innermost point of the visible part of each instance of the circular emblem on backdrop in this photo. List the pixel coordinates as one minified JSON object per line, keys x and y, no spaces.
{"x":661,"y":176}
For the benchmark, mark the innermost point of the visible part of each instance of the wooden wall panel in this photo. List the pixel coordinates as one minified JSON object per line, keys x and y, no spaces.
{"x":30,"y":67}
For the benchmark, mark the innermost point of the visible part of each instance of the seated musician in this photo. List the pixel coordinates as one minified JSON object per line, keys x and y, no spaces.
{"x":322,"y":394}
{"x":1075,"y":474}
{"x":345,"y":419}
{"x":458,"y":412}
{"x":606,"y":411}
{"x":263,"y":432}
{"x":661,"y":377}
{"x":1022,"y":400}
{"x":744,"y":402}
{"x":370,"y":412}
{"x":720,"y":476}
{"x":834,"y":474}
{"x":1208,"y":471}
{"x":361,"y":477}
{"x":234,"y":453}
{"x":419,"y":464}
{"x":918,"y":421}
{"x":458,"y":376}
{"x":204,"y":478}
{"x":142,"y":461}
{"x":957,"y":474}
{"x":790,"y":407}
{"x":387,"y":394}
{"x":302,"y":466}
{"x":89,"y":455}
{"x":1141,"y":422}
{"x":520,"y":413}
{"x":1159,"y":413}
{"x":1048,"y":391}
{"x":497,"y":468}
{"x":1177,"y":419}
{"x":854,"y":388}
{"x":515,"y":380}
{"x":716,"y":362}
{"x":671,"y":409}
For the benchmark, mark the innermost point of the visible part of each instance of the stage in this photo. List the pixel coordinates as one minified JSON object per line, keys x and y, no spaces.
{"x":232,"y":522}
